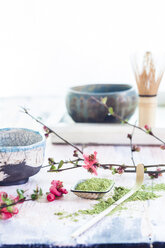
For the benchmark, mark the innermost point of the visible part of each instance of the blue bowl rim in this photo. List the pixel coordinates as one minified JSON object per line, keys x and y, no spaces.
{"x":23,"y":148}
{"x":73,"y":90}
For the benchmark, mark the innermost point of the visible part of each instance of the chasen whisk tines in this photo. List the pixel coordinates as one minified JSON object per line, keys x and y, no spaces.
{"x":148,"y":80}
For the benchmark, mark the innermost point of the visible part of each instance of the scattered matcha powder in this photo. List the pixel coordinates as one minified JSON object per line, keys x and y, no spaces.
{"x":75,"y":220}
{"x":145,"y":193}
{"x":140,"y":195}
{"x":94,"y":184}
{"x":118,"y":209}
{"x":156,"y":187}
{"x":58,"y":213}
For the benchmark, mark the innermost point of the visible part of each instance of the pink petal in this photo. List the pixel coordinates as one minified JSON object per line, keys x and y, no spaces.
{"x":5,"y":216}
{"x":15,"y":210}
{"x":94,"y":170}
{"x":95,"y":153}
{"x":85,"y":166}
{"x":86,"y":157}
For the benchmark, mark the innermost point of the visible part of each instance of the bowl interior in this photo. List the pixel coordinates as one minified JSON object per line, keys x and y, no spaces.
{"x":18,"y":137}
{"x":101,"y":88}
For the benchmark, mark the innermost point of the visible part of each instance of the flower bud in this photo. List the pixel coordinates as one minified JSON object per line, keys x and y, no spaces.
{"x":46,"y":135}
{"x":162,"y":147}
{"x":75,"y":153}
{"x":51,"y":197}
{"x":135,"y":148}
{"x":147,"y":127}
{"x":54,"y":191}
{"x":129,"y":136}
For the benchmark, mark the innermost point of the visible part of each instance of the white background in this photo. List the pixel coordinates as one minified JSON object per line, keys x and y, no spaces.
{"x":46,"y":46}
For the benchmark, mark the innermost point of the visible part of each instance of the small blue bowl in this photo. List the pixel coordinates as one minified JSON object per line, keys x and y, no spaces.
{"x":21,"y":155}
{"x":83,"y":108}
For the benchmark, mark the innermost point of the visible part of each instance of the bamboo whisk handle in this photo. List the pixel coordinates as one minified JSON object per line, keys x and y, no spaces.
{"x":147,"y":111}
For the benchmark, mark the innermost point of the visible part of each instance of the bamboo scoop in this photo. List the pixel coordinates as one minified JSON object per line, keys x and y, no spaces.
{"x":139,"y":181}
{"x":148,"y":83}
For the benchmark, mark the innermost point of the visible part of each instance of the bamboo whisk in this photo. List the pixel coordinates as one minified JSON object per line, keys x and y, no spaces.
{"x":148,"y":84}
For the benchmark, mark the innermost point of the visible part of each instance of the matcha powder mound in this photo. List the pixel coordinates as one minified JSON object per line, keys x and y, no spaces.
{"x":94,"y":184}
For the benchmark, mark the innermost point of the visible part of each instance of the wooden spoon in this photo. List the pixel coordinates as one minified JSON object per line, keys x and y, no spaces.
{"x":139,"y":181}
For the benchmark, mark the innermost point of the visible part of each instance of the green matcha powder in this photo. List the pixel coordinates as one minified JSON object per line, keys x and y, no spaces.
{"x":97,"y":184}
{"x":94,"y":184}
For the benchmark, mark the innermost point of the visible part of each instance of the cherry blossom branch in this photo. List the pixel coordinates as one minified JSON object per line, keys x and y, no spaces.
{"x":121,"y":168}
{"x":51,"y":130}
{"x":130,"y":136}
{"x":126,"y":168}
{"x":147,"y":172}
{"x":6,"y":202}
{"x":15,"y":203}
{"x":130,"y":166}
{"x":64,"y":169}
{"x":64,"y":162}
{"x":110,"y":110}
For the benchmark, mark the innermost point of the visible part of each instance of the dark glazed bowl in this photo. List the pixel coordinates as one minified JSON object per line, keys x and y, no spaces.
{"x":21,"y":155}
{"x":82,"y":108}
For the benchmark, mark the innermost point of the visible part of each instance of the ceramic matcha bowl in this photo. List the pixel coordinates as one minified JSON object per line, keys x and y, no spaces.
{"x":21,"y":155}
{"x":82,"y":108}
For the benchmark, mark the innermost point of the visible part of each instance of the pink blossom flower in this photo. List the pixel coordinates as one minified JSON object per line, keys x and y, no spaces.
{"x":135,"y":148}
{"x":54,"y":191}
{"x":162,"y":147}
{"x":17,"y":198}
{"x":155,"y":175}
{"x":57,"y":183}
{"x":15,"y":210}
{"x":51,"y":197}
{"x":91,"y":162}
{"x":3,"y":194}
{"x":90,"y":168}
{"x":147,"y":127}
{"x":7,"y":213}
{"x":63,"y":191}
{"x":160,"y":174}
{"x":90,"y":159}
{"x":46,"y":129}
